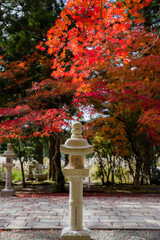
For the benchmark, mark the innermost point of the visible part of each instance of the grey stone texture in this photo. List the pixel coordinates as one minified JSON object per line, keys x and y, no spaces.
{"x":99,"y":212}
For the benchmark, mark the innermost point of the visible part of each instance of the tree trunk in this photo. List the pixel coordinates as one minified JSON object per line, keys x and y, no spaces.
{"x":39,"y":151}
{"x":108,"y":170}
{"x":66,"y":160}
{"x":113,"y":170}
{"x":137,"y":173}
{"x":22,"y":171}
{"x":102,"y":170}
{"x":150,"y":177}
{"x":20,"y":159}
{"x":57,"y":163}
{"x":52,"y":143}
{"x":130,"y":167}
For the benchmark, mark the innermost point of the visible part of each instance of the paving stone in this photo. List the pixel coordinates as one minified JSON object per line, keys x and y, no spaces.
{"x":3,"y":225}
{"x":157,"y":222}
{"x":111,"y":220}
{"x":124,"y":214}
{"x":3,"y":214}
{"x":101,"y":212}
{"x":131,"y":225}
{"x":100,"y":226}
{"x":44,"y":225}
{"x":117,"y":225}
{"x":148,"y":227}
{"x":22,"y":214}
{"x":17,"y":225}
{"x":130,"y":220}
{"x":53,"y":221}
{"x":98,"y":217}
{"x":28,"y":218}
{"x":93,"y":220}
{"x":64,"y":223}
{"x":4,"y":221}
{"x":9,"y":218}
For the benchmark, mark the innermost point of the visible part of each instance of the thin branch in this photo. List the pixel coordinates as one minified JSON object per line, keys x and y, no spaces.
{"x":139,"y":55}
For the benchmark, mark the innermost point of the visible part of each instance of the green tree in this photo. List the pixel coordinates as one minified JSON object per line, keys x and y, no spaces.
{"x":152,"y":15}
{"x":23,"y":23}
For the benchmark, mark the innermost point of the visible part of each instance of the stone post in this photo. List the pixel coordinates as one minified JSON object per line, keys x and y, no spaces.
{"x":9,"y":154}
{"x":76,"y":147}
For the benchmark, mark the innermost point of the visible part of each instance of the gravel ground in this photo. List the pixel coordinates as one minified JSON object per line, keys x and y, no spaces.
{"x":95,"y":235}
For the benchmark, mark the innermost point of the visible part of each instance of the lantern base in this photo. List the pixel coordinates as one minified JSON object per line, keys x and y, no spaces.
{"x":7,"y":192}
{"x":68,"y":234}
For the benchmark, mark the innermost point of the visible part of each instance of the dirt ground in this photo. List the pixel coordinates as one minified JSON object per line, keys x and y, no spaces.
{"x":49,"y":188}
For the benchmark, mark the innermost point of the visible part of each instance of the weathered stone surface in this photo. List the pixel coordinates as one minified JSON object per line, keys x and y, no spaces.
{"x":67,"y":234}
{"x":12,"y":209}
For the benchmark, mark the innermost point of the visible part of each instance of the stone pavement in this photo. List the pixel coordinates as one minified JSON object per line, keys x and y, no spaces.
{"x":100,"y":212}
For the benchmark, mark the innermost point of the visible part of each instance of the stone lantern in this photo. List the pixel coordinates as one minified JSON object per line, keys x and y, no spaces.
{"x":76,"y":148}
{"x":9,"y":154}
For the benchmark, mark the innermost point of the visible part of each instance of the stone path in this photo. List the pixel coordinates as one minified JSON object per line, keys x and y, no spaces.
{"x":100,"y":212}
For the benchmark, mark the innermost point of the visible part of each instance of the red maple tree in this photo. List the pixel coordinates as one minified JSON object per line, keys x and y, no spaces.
{"x":105,"y":48}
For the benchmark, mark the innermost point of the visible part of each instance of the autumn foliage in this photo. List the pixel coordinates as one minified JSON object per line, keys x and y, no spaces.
{"x":130,"y":91}
{"x":99,"y":54}
{"x":106,"y":49}
{"x":89,"y":33}
{"x":26,"y":122}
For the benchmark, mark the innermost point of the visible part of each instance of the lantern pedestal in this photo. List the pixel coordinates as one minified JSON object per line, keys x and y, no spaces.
{"x":75,"y":230}
{"x":68,"y":234}
{"x":8,"y":191}
{"x":8,"y":154}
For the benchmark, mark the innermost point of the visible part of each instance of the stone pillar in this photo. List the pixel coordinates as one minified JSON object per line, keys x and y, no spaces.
{"x":76,"y":203}
{"x":8,"y":177}
{"x":8,"y":190}
{"x":75,"y":231}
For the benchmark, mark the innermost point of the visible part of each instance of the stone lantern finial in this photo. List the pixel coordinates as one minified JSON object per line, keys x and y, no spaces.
{"x":76,"y":130}
{"x":9,"y":152}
